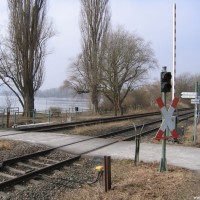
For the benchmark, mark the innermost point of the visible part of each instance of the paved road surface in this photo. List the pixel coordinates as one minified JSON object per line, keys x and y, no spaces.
{"x":187,"y":157}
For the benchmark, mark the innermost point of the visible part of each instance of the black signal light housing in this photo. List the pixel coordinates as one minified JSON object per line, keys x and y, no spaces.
{"x":166,"y":82}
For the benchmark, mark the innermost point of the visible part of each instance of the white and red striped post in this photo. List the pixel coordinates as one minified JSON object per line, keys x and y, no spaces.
{"x":174,"y":53}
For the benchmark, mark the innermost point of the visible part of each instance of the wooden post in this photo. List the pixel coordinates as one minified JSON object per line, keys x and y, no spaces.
{"x":107,"y":172}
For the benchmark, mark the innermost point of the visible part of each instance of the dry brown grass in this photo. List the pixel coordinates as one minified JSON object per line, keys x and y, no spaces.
{"x":99,"y":127}
{"x":130,"y":182}
{"x":6,"y":145}
{"x":188,"y":138}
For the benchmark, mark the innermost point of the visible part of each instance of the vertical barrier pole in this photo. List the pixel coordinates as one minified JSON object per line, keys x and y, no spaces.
{"x":107,"y":173}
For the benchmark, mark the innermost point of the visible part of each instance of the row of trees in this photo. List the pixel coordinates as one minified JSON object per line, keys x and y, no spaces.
{"x":110,"y":65}
{"x":112,"y":62}
{"x":23,"y":51}
{"x":145,"y":96}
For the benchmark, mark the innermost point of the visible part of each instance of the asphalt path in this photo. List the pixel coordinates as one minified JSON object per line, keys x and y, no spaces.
{"x":186,"y":157}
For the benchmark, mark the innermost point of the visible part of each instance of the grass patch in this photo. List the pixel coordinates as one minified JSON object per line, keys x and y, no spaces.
{"x":188,"y":137}
{"x":144,"y":181}
{"x":6,"y":145}
{"x":85,"y":130}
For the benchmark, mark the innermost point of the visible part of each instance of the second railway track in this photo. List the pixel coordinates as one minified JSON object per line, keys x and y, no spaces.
{"x":71,"y":125}
{"x":39,"y":162}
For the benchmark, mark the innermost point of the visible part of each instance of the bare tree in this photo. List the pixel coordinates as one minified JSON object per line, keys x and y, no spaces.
{"x":78,"y":79}
{"x":186,"y":83}
{"x":94,"y":25}
{"x":24,"y":51}
{"x":128,"y":59}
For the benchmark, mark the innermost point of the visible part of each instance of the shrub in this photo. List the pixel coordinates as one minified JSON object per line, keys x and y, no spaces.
{"x":55,"y":110}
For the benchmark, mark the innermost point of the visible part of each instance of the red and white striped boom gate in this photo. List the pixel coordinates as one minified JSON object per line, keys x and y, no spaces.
{"x":167,"y":121}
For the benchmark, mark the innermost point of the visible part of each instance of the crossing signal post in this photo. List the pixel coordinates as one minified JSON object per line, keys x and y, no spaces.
{"x":165,"y":87}
{"x":166,"y":81}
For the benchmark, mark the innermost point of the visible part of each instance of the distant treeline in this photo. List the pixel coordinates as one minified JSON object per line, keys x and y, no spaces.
{"x":54,"y":92}
{"x":59,"y":93}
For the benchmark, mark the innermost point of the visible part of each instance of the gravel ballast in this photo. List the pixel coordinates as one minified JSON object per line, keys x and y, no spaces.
{"x":48,"y":186}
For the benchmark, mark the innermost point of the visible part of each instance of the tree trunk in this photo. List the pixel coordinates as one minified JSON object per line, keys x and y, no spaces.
{"x":115,"y":109}
{"x":28,"y":102}
{"x":119,"y":103}
{"x":115,"y":106}
{"x":95,"y":101}
{"x":120,"y":109}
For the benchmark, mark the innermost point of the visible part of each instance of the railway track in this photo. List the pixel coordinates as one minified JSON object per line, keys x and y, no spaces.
{"x":19,"y":169}
{"x":40,"y":162}
{"x":65,"y":126}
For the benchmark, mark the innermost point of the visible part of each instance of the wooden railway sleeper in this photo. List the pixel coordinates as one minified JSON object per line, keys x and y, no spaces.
{"x":7,"y":175}
{"x":38,"y":163}
{"x":28,"y":166}
{"x":17,"y":171}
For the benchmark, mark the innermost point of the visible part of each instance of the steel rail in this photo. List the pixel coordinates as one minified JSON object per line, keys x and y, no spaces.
{"x":131,"y":137}
{"x":52,"y":127}
{"x":155,"y":129}
{"x":39,"y":171}
{"x":73,"y":159}
{"x":61,"y":126}
{"x":24,"y":157}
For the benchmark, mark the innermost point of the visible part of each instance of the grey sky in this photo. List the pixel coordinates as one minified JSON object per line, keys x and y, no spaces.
{"x":151,"y":19}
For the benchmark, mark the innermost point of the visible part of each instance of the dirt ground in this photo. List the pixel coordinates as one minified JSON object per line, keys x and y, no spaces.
{"x":145,"y":181}
{"x":130,"y":182}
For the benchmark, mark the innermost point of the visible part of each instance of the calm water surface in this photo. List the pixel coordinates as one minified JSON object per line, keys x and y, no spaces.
{"x":42,"y":104}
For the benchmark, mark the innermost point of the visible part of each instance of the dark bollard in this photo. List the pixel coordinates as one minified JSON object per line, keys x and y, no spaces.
{"x":107,"y":172}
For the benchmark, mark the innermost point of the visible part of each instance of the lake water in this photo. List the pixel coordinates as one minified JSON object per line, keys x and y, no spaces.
{"x":42,"y":104}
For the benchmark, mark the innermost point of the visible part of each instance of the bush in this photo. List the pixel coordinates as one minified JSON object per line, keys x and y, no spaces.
{"x":55,"y":110}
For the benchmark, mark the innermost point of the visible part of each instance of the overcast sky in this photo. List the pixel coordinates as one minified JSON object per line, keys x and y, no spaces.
{"x":150,"y":19}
